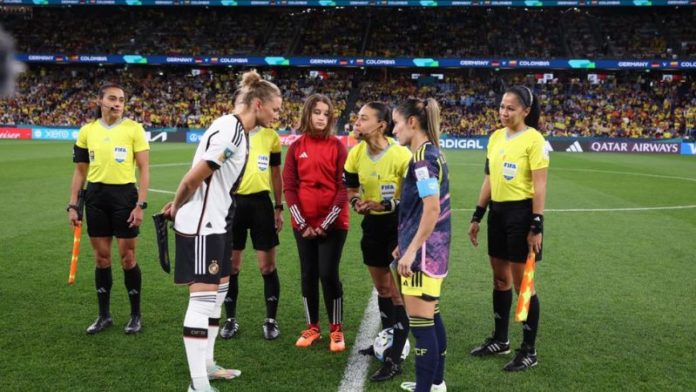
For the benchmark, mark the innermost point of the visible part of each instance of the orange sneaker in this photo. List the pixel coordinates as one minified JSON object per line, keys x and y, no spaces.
{"x":308,"y":337}
{"x":337,"y":342}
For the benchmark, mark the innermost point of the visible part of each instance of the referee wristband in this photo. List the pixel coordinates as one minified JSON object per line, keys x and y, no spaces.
{"x":353,"y":201}
{"x":478,"y":214}
{"x":537,"y":226}
{"x":389,"y":205}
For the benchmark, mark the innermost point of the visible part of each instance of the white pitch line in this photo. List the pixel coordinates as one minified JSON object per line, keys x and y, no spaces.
{"x":356,"y":369}
{"x":161,"y":191}
{"x":171,"y":164}
{"x":605,"y":209}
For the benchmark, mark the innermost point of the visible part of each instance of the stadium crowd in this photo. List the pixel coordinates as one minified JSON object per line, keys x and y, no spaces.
{"x":615,"y":105}
{"x":665,"y":33}
{"x":168,"y":97}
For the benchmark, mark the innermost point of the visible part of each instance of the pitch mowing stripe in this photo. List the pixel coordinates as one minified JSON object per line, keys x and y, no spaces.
{"x":161,"y":191}
{"x":171,"y":164}
{"x":358,"y":364}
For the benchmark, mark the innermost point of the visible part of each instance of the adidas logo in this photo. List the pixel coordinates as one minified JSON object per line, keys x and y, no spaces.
{"x":304,"y":155}
{"x":209,"y":225}
{"x":133,"y":292}
{"x":272,"y":299}
{"x":575,"y":147}
{"x":101,"y":290}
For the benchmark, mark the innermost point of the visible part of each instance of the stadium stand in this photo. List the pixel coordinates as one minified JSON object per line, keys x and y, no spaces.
{"x":625,"y":104}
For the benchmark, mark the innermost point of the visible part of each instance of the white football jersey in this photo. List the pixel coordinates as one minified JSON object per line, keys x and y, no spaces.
{"x":224,"y":145}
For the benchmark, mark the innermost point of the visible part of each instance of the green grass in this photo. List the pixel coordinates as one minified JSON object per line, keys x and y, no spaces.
{"x":617,"y":289}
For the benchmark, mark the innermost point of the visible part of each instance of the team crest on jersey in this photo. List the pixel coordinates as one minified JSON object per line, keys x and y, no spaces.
{"x":214,"y":268}
{"x":509,"y":170}
{"x":225,"y":155}
{"x":120,"y":154}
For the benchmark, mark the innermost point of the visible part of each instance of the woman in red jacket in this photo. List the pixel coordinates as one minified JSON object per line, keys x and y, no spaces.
{"x":317,"y":200}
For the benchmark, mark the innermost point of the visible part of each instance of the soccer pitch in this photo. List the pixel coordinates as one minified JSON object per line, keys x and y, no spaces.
{"x":617,"y":288}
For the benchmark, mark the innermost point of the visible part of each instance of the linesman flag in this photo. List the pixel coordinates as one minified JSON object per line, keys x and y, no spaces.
{"x":526,"y":289}
{"x":77,"y":233}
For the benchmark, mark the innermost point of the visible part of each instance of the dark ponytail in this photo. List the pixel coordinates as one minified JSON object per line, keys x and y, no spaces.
{"x":528,"y":100}
{"x":384,"y":113}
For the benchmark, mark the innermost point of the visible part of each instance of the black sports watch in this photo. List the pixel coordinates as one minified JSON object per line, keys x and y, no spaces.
{"x":142,"y":205}
{"x":71,"y":207}
{"x":279,"y":206}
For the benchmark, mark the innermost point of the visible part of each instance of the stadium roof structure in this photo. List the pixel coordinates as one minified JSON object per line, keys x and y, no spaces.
{"x":359,"y":3}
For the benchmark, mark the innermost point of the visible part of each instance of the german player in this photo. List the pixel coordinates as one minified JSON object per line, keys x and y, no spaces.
{"x":199,"y":210}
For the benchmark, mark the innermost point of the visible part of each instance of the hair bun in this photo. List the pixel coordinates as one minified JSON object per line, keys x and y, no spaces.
{"x":250,"y":78}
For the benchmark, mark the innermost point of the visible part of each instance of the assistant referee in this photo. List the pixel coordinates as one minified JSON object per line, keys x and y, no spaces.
{"x":106,"y":153}
{"x":515,"y":188}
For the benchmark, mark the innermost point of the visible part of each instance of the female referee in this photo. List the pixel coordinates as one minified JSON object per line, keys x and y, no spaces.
{"x":318,"y":204}
{"x":374,"y":171}
{"x":106,"y":153}
{"x":515,"y":188}
{"x":255,"y":214}
{"x":200,"y":212}
{"x":424,"y":238}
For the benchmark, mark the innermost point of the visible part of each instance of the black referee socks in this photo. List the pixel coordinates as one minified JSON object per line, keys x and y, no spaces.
{"x":386,"y":311}
{"x":103,"y":282}
{"x":231,"y":297}
{"x":502,"y":301}
{"x":530,"y":327}
{"x":133,"y":281}
{"x":271,"y":293}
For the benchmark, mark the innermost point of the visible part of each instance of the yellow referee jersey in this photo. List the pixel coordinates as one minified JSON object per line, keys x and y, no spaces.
{"x":511,"y":161}
{"x":111,"y":150}
{"x":264,"y":152}
{"x":380,"y":177}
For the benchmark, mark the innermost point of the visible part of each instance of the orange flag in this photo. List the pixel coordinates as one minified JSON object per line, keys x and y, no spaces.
{"x":526,"y":289}
{"x":77,"y":232}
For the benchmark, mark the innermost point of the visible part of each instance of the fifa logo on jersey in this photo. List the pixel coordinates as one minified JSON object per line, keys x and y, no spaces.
{"x":509,"y":170}
{"x":120,"y":154}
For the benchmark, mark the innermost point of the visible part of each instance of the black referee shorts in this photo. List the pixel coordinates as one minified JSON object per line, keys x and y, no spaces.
{"x":380,"y":237}
{"x":255,"y":214}
{"x":108,"y":208}
{"x":508,"y":227}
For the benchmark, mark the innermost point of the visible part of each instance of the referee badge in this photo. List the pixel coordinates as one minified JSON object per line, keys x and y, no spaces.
{"x":213,"y":268}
